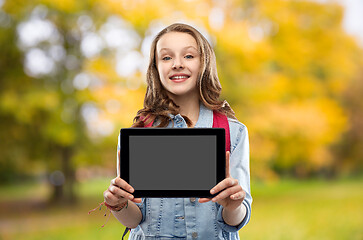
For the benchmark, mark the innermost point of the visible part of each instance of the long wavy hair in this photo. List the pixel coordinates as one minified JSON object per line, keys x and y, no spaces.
{"x":157,"y":104}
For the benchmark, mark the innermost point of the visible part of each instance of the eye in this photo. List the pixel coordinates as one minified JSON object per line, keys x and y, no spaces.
{"x":189,"y":56}
{"x":166,"y":58}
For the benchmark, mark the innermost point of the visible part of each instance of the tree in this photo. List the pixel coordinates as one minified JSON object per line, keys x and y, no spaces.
{"x":72,"y":73}
{"x":59,"y":95}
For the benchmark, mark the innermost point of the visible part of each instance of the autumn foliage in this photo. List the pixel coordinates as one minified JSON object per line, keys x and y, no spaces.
{"x":287,"y":68}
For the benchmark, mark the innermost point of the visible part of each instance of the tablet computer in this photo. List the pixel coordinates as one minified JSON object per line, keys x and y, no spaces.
{"x":172,"y":162}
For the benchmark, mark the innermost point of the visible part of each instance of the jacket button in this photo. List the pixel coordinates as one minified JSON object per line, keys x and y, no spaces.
{"x":192,"y":200}
{"x":194,"y":234}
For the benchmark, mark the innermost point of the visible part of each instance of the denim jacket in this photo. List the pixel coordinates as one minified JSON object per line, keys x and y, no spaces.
{"x":186,"y":218}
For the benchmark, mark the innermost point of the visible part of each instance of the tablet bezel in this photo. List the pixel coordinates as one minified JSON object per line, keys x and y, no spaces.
{"x":125,"y":133}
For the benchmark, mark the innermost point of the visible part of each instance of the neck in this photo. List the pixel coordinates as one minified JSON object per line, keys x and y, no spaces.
{"x":189,"y":107}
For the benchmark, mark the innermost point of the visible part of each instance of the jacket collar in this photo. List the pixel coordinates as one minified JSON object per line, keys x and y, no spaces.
{"x":205,"y":119}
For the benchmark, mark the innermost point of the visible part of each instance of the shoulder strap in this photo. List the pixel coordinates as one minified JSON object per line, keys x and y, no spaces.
{"x":144,"y":119}
{"x":220,"y":121}
{"x":125,"y":232}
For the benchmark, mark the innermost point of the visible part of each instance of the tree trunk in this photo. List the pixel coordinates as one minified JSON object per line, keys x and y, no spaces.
{"x":63,"y":181}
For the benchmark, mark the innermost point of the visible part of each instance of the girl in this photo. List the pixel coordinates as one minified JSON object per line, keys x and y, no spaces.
{"x":183,"y":91}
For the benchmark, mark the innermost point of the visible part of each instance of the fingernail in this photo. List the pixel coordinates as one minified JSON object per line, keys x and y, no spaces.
{"x":212,"y":191}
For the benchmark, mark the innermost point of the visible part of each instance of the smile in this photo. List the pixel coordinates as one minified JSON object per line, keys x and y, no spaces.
{"x":179,"y":78}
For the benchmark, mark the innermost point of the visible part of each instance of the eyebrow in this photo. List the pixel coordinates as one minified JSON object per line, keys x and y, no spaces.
{"x":166,"y":49}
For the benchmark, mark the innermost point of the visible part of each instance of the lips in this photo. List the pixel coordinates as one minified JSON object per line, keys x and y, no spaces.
{"x":180,"y":77}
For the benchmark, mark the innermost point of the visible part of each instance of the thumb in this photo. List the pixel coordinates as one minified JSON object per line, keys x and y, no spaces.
{"x":227,"y":164}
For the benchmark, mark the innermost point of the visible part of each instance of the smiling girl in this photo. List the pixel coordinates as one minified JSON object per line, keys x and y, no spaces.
{"x":183,"y":91}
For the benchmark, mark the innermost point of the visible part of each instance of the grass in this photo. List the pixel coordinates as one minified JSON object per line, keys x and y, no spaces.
{"x":287,"y":209}
{"x":307,"y":210}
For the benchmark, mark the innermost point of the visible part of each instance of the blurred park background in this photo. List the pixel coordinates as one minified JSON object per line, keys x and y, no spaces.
{"x":72,"y":73}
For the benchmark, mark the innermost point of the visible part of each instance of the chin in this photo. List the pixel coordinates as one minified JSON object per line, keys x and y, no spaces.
{"x":180,"y":93}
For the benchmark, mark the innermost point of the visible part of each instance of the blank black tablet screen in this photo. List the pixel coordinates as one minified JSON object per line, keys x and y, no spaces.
{"x":172,"y":162}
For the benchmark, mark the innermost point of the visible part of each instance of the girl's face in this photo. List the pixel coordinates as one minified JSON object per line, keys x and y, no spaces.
{"x":178,"y":63}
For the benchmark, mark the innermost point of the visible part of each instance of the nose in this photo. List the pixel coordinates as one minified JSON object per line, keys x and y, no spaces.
{"x":178,"y":63}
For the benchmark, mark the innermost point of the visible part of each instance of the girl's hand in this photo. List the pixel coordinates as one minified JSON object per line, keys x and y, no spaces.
{"x":230,"y":193}
{"x":119,"y":192}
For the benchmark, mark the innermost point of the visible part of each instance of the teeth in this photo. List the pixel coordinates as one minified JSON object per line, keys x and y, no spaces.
{"x":179,"y":77}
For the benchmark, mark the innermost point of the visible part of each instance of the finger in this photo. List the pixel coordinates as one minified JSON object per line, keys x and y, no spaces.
{"x":119,"y":158}
{"x":239,"y":195}
{"x":227,"y":192}
{"x":110,"y":197}
{"x":120,"y":193}
{"x":137,"y":200}
{"x":204,"y":200}
{"x":119,"y":182}
{"x":227,"y":164}
{"x":227,"y":182}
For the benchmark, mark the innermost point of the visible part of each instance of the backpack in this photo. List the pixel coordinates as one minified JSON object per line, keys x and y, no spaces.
{"x":219,"y":121}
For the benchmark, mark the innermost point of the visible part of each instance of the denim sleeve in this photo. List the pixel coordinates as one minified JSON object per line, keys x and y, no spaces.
{"x":240,"y":170}
{"x":142,"y":207}
{"x":142,"y":204}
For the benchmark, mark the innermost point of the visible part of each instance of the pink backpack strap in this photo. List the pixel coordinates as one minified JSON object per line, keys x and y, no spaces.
{"x":144,"y":119}
{"x":149,"y":125}
{"x":220,"y":121}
